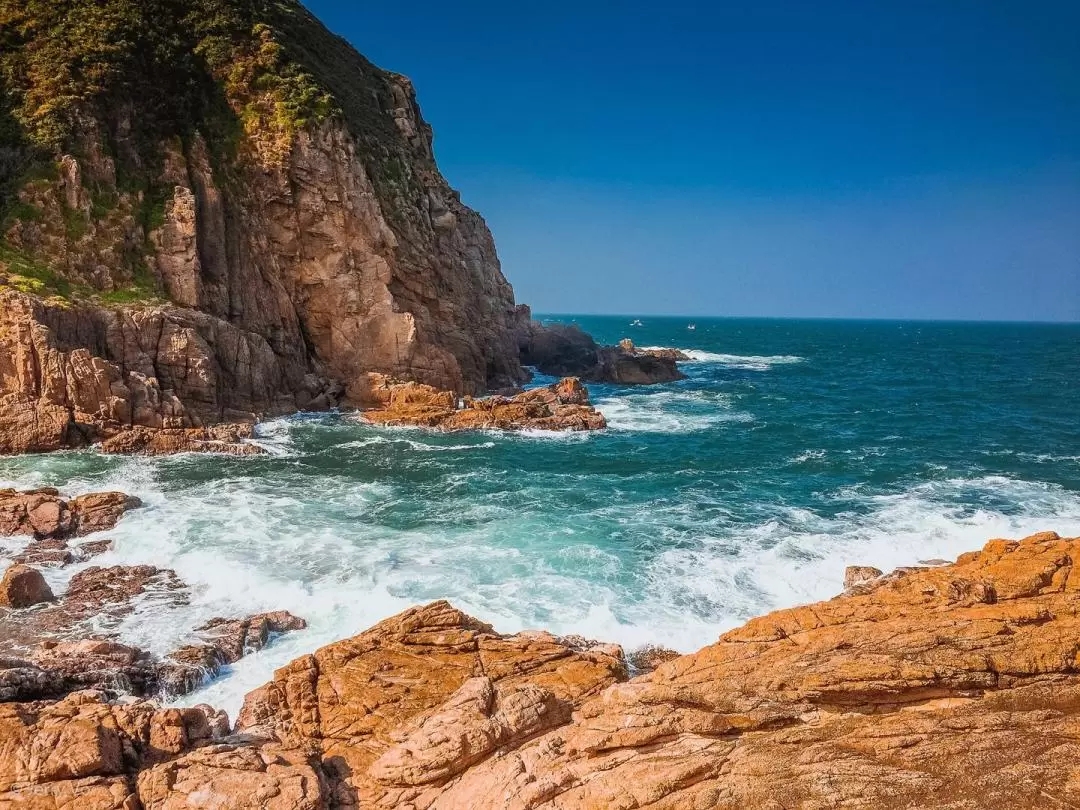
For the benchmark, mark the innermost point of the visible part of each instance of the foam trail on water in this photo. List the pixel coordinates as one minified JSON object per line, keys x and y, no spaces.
{"x":674,"y":412}
{"x":749,"y":362}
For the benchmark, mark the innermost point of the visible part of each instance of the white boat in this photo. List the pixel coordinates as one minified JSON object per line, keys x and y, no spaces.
{"x":691,"y":326}
{"x":636,"y":322}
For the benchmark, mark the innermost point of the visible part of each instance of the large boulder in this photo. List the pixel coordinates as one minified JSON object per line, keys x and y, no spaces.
{"x":419,"y":698}
{"x":23,"y":586}
{"x":44,"y":514}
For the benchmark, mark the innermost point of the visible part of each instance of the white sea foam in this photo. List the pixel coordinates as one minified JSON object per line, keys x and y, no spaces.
{"x":667,"y":411}
{"x":750,"y":362}
{"x":675,"y":570}
{"x":799,"y":556}
{"x":422,"y":447}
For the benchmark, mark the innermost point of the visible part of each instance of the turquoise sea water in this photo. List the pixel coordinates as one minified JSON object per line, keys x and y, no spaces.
{"x":794,"y":448}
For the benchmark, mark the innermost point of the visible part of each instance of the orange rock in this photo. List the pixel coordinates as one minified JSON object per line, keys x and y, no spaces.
{"x":952,"y":687}
{"x":562,"y":406}
{"x":22,"y":586}
{"x":228,"y":439}
{"x":420,"y":697}
{"x":42,"y":513}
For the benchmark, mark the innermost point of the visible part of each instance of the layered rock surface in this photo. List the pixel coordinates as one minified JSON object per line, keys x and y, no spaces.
{"x":258,"y":242}
{"x":939,"y":687}
{"x":561,"y":406}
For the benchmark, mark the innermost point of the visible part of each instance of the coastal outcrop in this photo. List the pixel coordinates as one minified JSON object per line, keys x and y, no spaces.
{"x":23,"y":586}
{"x":567,"y":350}
{"x":43,"y":514}
{"x":561,"y":406}
{"x":229,"y":439}
{"x":51,"y":646}
{"x":216,"y":211}
{"x":952,"y":686}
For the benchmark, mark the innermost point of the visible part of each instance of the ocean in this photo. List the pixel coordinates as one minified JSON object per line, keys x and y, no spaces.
{"x":793,"y":449}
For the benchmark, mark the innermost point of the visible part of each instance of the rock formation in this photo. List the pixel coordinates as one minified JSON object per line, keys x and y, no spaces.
{"x":561,"y":349}
{"x":951,"y":687}
{"x":42,"y":513}
{"x":561,"y":406}
{"x":23,"y":586}
{"x":69,"y":643}
{"x":219,"y":210}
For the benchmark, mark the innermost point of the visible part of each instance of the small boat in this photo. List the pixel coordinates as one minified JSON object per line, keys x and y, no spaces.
{"x":636,"y":322}
{"x":691,"y":326}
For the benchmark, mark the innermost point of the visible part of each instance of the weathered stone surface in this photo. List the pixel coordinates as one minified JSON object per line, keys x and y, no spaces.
{"x":224,"y":641}
{"x":23,"y":586}
{"x":259,"y":776}
{"x":648,"y":657}
{"x":70,"y":644}
{"x":43,"y":514}
{"x":72,"y":375}
{"x":562,"y":406}
{"x":952,"y":687}
{"x":417,"y":698}
{"x":561,"y":349}
{"x":82,"y":752}
{"x":626,"y":345}
{"x":228,"y":439}
{"x":857,"y":575}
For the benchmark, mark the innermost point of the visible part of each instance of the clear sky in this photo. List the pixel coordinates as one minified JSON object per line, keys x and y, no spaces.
{"x":855,"y":158}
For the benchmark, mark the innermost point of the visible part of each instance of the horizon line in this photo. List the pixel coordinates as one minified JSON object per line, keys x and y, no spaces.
{"x":843,"y":318}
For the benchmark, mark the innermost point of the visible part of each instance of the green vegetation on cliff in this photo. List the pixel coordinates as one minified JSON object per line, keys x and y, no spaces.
{"x":112,"y":82}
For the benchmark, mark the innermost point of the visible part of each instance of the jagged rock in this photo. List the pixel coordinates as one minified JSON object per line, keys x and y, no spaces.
{"x":420,"y":696}
{"x":951,"y":687}
{"x":857,"y":575}
{"x":57,"y":668}
{"x":648,"y":657}
{"x":85,"y":753}
{"x":562,"y":406}
{"x":23,"y":586}
{"x":228,"y":438}
{"x":226,"y":641}
{"x":279,"y":269}
{"x":43,"y":514}
{"x":561,"y":349}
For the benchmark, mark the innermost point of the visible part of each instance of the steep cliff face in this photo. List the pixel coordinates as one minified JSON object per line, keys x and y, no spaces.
{"x":230,"y":176}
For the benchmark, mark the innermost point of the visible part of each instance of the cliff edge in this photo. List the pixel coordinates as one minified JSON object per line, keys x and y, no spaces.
{"x":218,"y":209}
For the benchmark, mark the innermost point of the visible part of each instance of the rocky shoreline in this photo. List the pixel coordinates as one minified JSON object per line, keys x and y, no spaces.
{"x":945,"y":685}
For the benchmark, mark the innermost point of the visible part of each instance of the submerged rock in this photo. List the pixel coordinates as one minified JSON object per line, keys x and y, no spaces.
{"x":561,"y":406}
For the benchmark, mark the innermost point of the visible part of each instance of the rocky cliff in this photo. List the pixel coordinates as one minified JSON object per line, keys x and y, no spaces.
{"x":952,"y":686}
{"x":216,"y":209}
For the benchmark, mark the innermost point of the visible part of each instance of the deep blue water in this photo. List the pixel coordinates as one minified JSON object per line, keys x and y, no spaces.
{"x":794,"y":448}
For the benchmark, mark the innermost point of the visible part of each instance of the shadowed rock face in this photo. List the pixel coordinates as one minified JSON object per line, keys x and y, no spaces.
{"x":561,"y":349}
{"x":946,"y":687}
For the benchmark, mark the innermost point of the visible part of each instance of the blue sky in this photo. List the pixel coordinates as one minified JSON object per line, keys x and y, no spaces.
{"x":826,"y":159}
